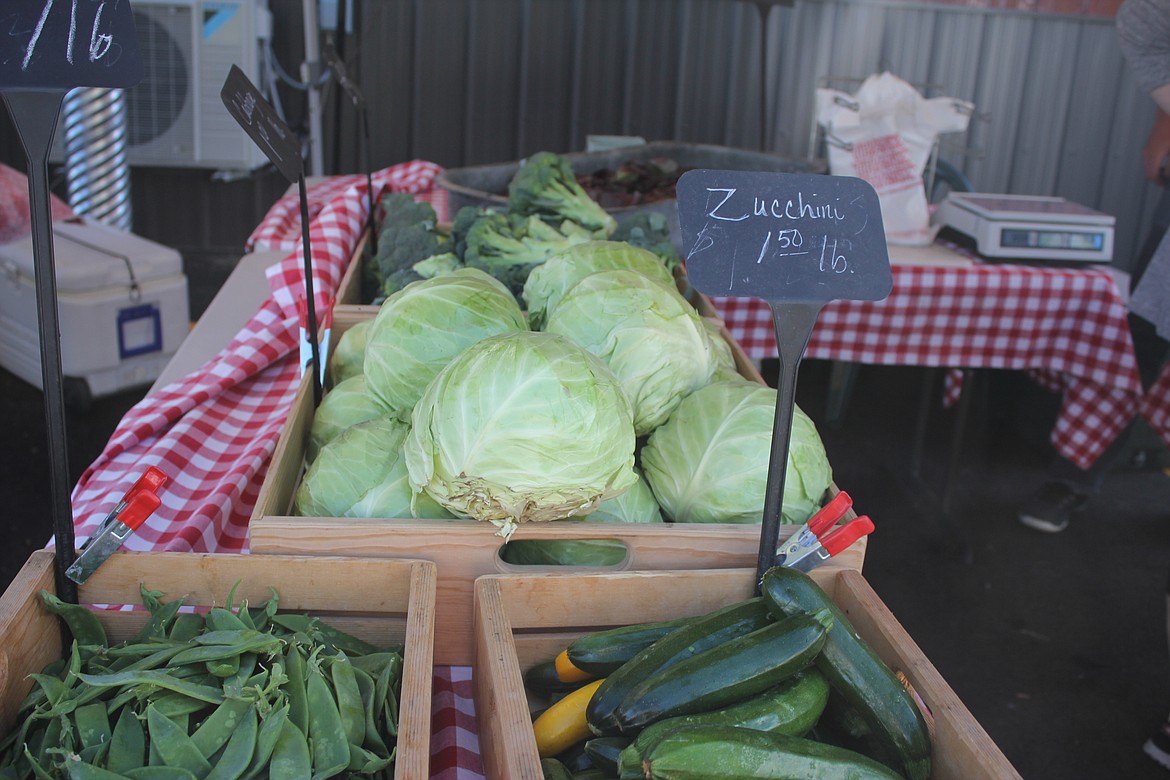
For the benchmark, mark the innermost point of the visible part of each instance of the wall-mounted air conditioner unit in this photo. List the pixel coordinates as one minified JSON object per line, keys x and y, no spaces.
{"x":175,"y":117}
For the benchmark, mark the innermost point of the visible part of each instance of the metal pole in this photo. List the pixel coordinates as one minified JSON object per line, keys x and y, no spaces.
{"x":311,"y":74}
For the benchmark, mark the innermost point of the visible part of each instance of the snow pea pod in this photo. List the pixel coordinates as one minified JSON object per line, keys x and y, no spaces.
{"x":237,"y":755}
{"x":218,"y":619}
{"x":349,"y":699}
{"x":330,"y":747}
{"x":290,"y":755}
{"x":93,"y":724}
{"x":127,"y":744}
{"x":162,"y":679}
{"x":258,"y":643}
{"x":217,"y":729}
{"x":373,"y":736}
{"x":172,"y":744}
{"x":331,"y":637}
{"x":298,"y":708}
{"x":266,"y":737}
{"x":82,"y":623}
{"x":160,"y":773}
{"x":186,"y":627}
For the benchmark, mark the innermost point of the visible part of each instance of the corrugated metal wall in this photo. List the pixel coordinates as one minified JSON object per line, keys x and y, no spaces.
{"x":466,"y":82}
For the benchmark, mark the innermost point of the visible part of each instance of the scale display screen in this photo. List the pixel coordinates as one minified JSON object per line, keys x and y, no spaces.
{"x":1016,"y":238}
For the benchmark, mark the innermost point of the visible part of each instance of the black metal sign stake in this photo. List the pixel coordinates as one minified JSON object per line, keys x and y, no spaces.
{"x":35,"y":116}
{"x":283,"y":149}
{"x":797,"y":241}
{"x":337,"y":68}
{"x":47,"y":49}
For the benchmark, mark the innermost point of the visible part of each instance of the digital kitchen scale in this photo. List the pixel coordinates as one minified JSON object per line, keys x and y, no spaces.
{"x":1028,"y":227}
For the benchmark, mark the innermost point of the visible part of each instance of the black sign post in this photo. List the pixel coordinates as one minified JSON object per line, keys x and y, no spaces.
{"x":797,"y":241}
{"x":49,"y":47}
{"x":337,"y":68}
{"x":283,"y":149}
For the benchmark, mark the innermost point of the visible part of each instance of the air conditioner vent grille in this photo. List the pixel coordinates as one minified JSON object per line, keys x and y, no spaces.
{"x":156,"y":103}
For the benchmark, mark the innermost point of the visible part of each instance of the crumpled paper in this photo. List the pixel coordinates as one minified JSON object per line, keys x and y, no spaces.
{"x":884,"y":134}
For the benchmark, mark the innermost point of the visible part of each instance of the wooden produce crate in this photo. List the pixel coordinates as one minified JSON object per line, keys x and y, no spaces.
{"x":523,"y":620}
{"x":465,"y":550}
{"x":384,"y":602}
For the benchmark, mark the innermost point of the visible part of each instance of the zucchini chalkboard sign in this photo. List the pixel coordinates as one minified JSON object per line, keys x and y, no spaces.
{"x":797,"y":241}
{"x":62,"y":44}
{"x":783,"y":236}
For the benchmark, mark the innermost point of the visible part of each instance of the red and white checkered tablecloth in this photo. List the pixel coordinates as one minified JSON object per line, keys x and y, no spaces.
{"x":1155,"y":406}
{"x":214,"y":430}
{"x":1065,"y":325}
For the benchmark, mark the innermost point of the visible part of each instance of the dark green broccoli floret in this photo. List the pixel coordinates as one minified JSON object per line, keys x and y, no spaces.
{"x":649,"y":230}
{"x":427,"y":268}
{"x":400,"y":247}
{"x":546,"y":186}
{"x":509,"y":250}
{"x":400,"y":208}
{"x":464,"y":219}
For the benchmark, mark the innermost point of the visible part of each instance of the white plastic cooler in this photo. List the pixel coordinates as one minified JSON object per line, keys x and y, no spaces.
{"x":122,"y":303}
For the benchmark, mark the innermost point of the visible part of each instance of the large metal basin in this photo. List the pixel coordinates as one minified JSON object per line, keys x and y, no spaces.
{"x":486,"y":186}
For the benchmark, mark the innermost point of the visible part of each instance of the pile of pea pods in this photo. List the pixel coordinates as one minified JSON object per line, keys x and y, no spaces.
{"x":219,"y":695}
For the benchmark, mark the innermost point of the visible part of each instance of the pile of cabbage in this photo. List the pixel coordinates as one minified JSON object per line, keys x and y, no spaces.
{"x":604,"y":398}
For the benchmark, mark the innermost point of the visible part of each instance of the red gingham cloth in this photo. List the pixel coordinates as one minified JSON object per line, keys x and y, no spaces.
{"x":213,"y":431}
{"x":280,"y":230}
{"x":1067,"y":326}
{"x":454,"y":732}
{"x":1155,"y":406}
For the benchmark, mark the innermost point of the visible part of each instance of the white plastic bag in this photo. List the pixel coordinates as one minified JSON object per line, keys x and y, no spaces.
{"x":884,"y":134}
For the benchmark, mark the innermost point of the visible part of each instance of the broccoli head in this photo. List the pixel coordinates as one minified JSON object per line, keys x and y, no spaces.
{"x":649,"y":230}
{"x":399,"y":248}
{"x":400,"y":208}
{"x":545,"y":185}
{"x":509,"y":249}
{"x":426,"y":268}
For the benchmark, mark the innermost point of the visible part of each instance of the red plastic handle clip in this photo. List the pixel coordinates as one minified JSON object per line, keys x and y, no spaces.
{"x":841,"y":538}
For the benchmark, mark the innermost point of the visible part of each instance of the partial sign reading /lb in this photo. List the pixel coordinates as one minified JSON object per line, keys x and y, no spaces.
{"x":783,"y":236}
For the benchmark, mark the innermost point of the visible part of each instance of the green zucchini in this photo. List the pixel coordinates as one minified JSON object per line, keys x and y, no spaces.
{"x":604,"y":752}
{"x":542,"y":680}
{"x":793,"y":707}
{"x":855,"y":672}
{"x":602,"y":652}
{"x":709,"y":752}
{"x":551,"y":769}
{"x":732,"y":671}
{"x":693,"y":637}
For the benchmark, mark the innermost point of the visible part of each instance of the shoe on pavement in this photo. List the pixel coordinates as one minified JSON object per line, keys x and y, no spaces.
{"x":1051,"y":508}
{"x":1157,"y":747}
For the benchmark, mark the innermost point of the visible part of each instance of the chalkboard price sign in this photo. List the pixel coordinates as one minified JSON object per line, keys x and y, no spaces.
{"x":62,"y":44}
{"x":262,"y":124}
{"x":783,"y":236}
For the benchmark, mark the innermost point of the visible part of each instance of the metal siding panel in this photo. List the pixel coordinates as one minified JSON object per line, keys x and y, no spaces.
{"x":956,"y":53}
{"x":385,"y":71}
{"x":1097,"y":75}
{"x":907,"y":46}
{"x":1004,"y":58}
{"x":544,"y":121}
{"x":708,"y":69}
{"x":653,"y":81}
{"x":1124,"y":190}
{"x":493,"y":77}
{"x":440,"y":77}
{"x":741,"y":126}
{"x":857,"y":42}
{"x":1044,"y":106}
{"x":603,"y":67}
{"x":807,"y":32}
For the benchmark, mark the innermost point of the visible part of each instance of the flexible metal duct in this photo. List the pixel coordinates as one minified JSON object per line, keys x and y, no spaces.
{"x":96,"y":171}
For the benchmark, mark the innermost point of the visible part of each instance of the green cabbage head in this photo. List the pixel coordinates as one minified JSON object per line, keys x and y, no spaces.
{"x":361,"y":473}
{"x":522,"y":427}
{"x":548,"y":282}
{"x":350,"y":353}
{"x":348,"y":403}
{"x":420,"y":328}
{"x":709,"y":462}
{"x":646,"y":332}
